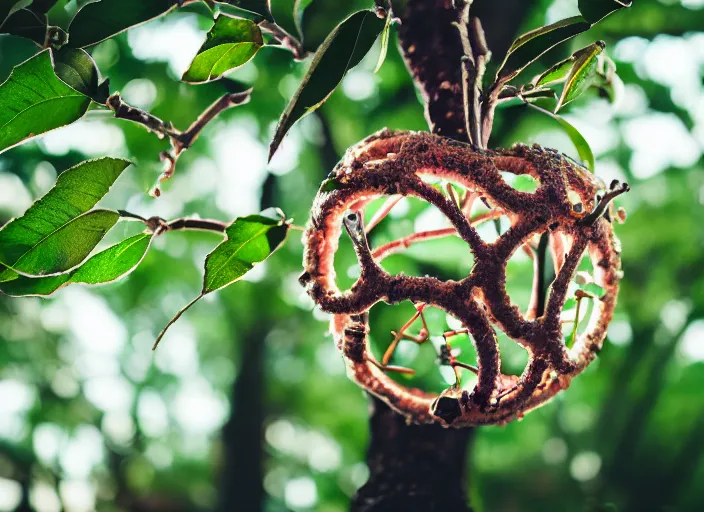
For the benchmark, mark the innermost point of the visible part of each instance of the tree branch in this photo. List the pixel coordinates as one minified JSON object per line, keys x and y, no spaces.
{"x":180,"y":140}
{"x":285,"y":39}
{"x":158,"y":225}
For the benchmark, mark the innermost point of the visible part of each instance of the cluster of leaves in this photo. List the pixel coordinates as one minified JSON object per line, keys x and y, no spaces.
{"x":585,"y":68}
{"x":58,"y":85}
{"x":51,"y":245}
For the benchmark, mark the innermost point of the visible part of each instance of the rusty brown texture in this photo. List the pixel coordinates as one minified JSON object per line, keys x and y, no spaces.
{"x":399,"y":163}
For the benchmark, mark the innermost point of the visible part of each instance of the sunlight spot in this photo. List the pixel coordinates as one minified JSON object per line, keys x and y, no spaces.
{"x":359,"y":84}
{"x":10,"y":494}
{"x":93,"y":137}
{"x":77,"y":495}
{"x":16,"y":397}
{"x":43,"y":178}
{"x":241,"y":162}
{"x":180,"y":357}
{"x":198,"y":408}
{"x":160,"y":455}
{"x":14,"y":196}
{"x":554,"y":450}
{"x":325,"y":454}
{"x":94,"y":326}
{"x":585,"y":466}
{"x":674,"y":314}
{"x":79,"y":456}
{"x":119,"y":427}
{"x":174,"y":40}
{"x":43,"y":498}
{"x":620,"y":332}
{"x":658,"y":141}
{"x":152,"y":415}
{"x":47,"y":440}
{"x":691,"y":345}
{"x":140,"y":92}
{"x":301,"y":493}
{"x":109,"y":393}
{"x":430,"y":218}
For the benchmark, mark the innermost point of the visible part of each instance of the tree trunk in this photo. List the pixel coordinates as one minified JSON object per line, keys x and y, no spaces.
{"x":424,"y":467}
{"x":413,"y":467}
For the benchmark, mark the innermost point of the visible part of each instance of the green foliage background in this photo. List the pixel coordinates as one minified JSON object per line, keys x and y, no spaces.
{"x":90,"y":416}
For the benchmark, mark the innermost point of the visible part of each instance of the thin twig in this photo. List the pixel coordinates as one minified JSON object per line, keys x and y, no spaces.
{"x":473,"y":64}
{"x":615,"y":189}
{"x":159,"y":225}
{"x":285,"y":39}
{"x":180,"y":140}
{"x":421,"y":236}
{"x":193,"y":224}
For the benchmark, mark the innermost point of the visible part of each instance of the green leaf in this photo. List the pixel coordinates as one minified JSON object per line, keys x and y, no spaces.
{"x":556,"y":74}
{"x":528,"y":95}
{"x":250,"y":240}
{"x":384,"y":42}
{"x":65,"y":247}
{"x":26,"y":23}
{"x":330,"y":184}
{"x":583,"y":149}
{"x":260,"y":7}
{"x":582,"y":74}
{"x":76,"y":191}
{"x":107,"y":266}
{"x":5,"y":8}
{"x":596,"y":10}
{"x":34,"y":101}
{"x":531,"y":45}
{"x":101,"y":20}
{"x":299,"y":8}
{"x":343,"y":49}
{"x":230,"y":43}
{"x":78,"y":70}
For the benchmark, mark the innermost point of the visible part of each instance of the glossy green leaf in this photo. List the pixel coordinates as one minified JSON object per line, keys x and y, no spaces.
{"x":343,"y":49}
{"x":76,"y":191}
{"x":78,"y":69}
{"x":230,"y":43}
{"x":385,"y":34}
{"x":556,"y":74}
{"x":65,"y":247}
{"x":26,"y":23}
{"x":250,"y":240}
{"x":528,"y":96}
{"x":580,"y":143}
{"x":259,"y":7}
{"x":531,"y":45}
{"x":596,"y":10}
{"x":582,"y":74}
{"x":5,"y":8}
{"x":299,"y":8}
{"x":101,"y":20}
{"x":107,"y":266}
{"x":330,"y":184}
{"x":34,"y":101}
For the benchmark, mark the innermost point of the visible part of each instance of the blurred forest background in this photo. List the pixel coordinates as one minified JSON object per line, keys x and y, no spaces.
{"x":91,"y":419}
